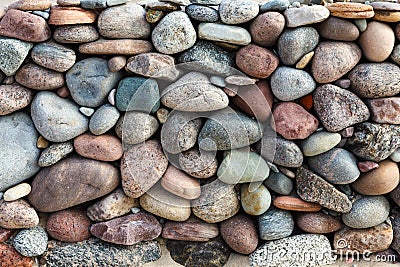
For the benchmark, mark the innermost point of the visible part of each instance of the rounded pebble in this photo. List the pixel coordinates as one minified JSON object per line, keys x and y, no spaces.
{"x":31,"y":242}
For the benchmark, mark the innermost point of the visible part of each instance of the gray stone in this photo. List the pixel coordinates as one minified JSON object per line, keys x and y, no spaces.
{"x":396,"y":55}
{"x":288,"y":84}
{"x":361,"y":24}
{"x":136,"y":127}
{"x":337,"y":166}
{"x":18,"y":151}
{"x":237,"y":11}
{"x":206,"y":2}
{"x":207,"y":57}
{"x":53,"y":56}
{"x":57,"y":119}
{"x":279,"y":183}
{"x":75,"y":34}
{"x":367,"y":211}
{"x":227,"y":129}
{"x":93,"y":4}
{"x":95,"y":252}
{"x":292,"y":251}
{"x":305,"y":15}
{"x":174,"y":33}
{"x":275,"y":224}
{"x":242,"y":166}
{"x":55,"y":153}
{"x":319,"y":142}
{"x":202,"y":13}
{"x":374,"y":141}
{"x":116,"y":2}
{"x":287,"y":153}
{"x":275,"y":5}
{"x":293,"y":44}
{"x":312,"y":188}
{"x":89,"y":81}
{"x":179,"y":132}
{"x":44,"y":14}
{"x":103,"y":119}
{"x":31,"y":242}
{"x":12,"y":53}
{"x":224,"y":33}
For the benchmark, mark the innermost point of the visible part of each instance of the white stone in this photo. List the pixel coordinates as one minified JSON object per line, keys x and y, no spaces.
{"x":224,"y":33}
{"x":17,"y":192}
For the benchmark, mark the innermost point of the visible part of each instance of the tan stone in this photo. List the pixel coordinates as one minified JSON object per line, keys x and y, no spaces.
{"x":295,"y":204}
{"x":180,"y":184}
{"x":351,"y":10}
{"x":387,"y":16}
{"x":28,"y":5}
{"x":60,"y":15}
{"x":192,"y":230}
{"x":116,"y":63}
{"x":17,"y":192}
{"x":100,"y":147}
{"x":116,"y":47}
{"x":303,"y":62}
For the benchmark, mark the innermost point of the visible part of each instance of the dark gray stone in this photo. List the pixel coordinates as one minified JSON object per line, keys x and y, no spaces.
{"x":275,"y":224}
{"x":279,"y":183}
{"x":93,"y":4}
{"x":202,"y":13}
{"x":275,"y":5}
{"x":287,"y":153}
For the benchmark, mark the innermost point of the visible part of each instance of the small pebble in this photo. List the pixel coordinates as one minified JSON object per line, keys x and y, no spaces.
{"x":31,"y":242}
{"x":42,"y":142}
{"x":86,"y":111}
{"x":55,"y":153}
{"x":17,"y":192}
{"x":111,"y":97}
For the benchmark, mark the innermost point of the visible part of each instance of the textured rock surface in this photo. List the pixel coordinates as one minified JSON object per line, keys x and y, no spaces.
{"x":275,"y":224}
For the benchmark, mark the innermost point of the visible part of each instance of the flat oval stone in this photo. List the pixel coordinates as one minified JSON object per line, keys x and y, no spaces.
{"x":165,"y":37}
{"x":31,"y":242}
{"x":24,"y":26}
{"x":179,"y":132}
{"x":17,"y":214}
{"x":266,"y":28}
{"x":288,"y":84}
{"x":138,"y":93}
{"x":218,"y":202}
{"x":332,"y":60}
{"x":305,"y":15}
{"x":275,"y":224}
{"x":279,"y":183}
{"x":70,"y":225}
{"x":102,"y":147}
{"x":242,"y":166}
{"x":223,"y":33}
{"x":10,"y":257}
{"x":198,"y":95}
{"x":293,"y":44}
{"x":255,"y":201}
{"x":338,"y":30}
{"x":292,"y":121}
{"x":256,"y":61}
{"x":136,"y":127}
{"x":375,"y":80}
{"x":370,"y":240}
{"x":180,"y":184}
{"x":237,"y":11}
{"x":337,"y":166}
{"x":54,"y":153}
{"x":60,"y":15}
{"x":385,"y":110}
{"x":295,"y":204}
{"x":377,"y":41}
{"x":312,"y":188}
{"x":53,"y":56}
{"x":190,"y":231}
{"x":56,"y":188}
{"x":124,"y":21}
{"x":367,"y":211}
{"x":17,"y":192}
{"x":160,"y":202}
{"x":75,"y":34}
{"x":198,"y":163}
{"x":202,"y":13}
{"x":154,"y":65}
{"x":116,"y":47}
{"x":318,"y":223}
{"x":351,"y":10}
{"x":30,"y":5}
{"x":338,"y":108}
{"x":275,"y":5}
{"x":18,"y":160}
{"x":14,"y":97}
{"x":142,"y":166}
{"x":103,"y":119}
{"x":89,"y":81}
{"x":128,"y":230}
{"x":379,"y":181}
{"x":14,"y":53}
{"x":57,"y":119}
{"x":240,"y":233}
{"x":39,"y":78}
{"x":111,"y":206}
{"x":319,"y":142}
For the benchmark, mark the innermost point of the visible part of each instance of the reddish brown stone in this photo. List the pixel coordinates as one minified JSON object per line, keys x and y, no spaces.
{"x":5,"y":234}
{"x":292,"y":121}
{"x":255,"y":100}
{"x":256,"y":61}
{"x":266,"y":28}
{"x":366,"y":166}
{"x":190,"y":231}
{"x":318,"y":223}
{"x":100,"y":147}
{"x":70,"y":225}
{"x":39,"y":78}
{"x":240,"y":233}
{"x":9,"y":257}
{"x":24,"y":26}
{"x":60,"y":15}
{"x":385,"y":110}
{"x":295,"y":204}
{"x":129,"y":229}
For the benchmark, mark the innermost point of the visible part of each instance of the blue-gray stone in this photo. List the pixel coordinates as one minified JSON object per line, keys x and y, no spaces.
{"x":103,"y":119}
{"x":275,"y":224}
{"x":202,"y":13}
{"x":275,"y":5}
{"x":89,"y":81}
{"x":93,"y":4}
{"x":279,"y":183}
{"x":18,"y":151}
{"x":31,"y":242}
